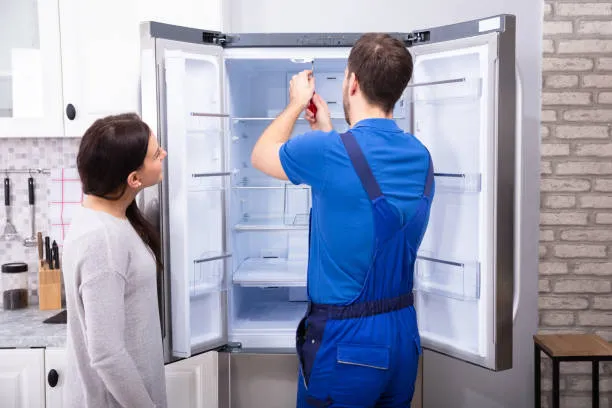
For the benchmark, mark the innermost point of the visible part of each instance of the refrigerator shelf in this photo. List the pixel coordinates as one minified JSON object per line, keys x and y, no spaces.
{"x":273,"y":223}
{"x":458,"y":182}
{"x":271,"y":272}
{"x":271,"y":187}
{"x":457,"y":280}
{"x":300,"y":119}
{"x":268,"y":183}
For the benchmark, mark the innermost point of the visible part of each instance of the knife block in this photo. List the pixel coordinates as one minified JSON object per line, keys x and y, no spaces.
{"x":49,"y":287}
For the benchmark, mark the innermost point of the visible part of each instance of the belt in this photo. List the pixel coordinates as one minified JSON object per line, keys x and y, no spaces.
{"x":362,"y":309}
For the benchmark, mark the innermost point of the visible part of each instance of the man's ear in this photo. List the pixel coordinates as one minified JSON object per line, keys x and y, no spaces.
{"x":134,"y":181}
{"x":353,"y":84}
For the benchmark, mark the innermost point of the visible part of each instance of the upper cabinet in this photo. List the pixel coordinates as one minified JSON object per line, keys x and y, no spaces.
{"x":100,"y":54}
{"x":66,"y":63}
{"x":30,"y":69}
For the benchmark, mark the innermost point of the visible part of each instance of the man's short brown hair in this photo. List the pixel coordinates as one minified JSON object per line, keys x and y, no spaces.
{"x":383,"y":67}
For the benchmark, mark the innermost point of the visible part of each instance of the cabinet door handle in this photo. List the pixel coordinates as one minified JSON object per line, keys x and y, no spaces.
{"x":53,"y":378}
{"x":70,"y":111}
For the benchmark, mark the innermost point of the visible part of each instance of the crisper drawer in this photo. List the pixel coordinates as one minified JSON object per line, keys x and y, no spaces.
{"x":266,"y":318}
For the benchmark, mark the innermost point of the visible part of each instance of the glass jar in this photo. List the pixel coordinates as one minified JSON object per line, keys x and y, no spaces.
{"x":15,"y":285}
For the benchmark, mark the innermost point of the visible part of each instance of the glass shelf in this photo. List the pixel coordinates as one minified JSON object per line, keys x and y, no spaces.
{"x":268,"y":183}
{"x":264,"y":119}
{"x":273,"y":223}
{"x":271,"y":272}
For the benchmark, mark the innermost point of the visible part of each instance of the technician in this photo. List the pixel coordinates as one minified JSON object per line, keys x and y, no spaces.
{"x":372,"y":189}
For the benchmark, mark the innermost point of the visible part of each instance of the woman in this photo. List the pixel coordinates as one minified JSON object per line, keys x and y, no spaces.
{"x":111,"y":259}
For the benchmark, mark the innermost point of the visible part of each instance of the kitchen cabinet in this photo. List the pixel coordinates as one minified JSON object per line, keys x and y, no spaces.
{"x":21,"y":378}
{"x":35,"y":378}
{"x":30,"y":69}
{"x":66,"y":63}
{"x":54,"y":377}
{"x":101,"y":52}
{"x":194,"y":382}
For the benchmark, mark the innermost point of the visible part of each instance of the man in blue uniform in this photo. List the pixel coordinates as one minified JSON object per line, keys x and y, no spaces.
{"x":372,"y":187}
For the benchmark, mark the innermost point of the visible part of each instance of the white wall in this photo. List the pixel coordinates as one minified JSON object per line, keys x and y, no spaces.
{"x":204,"y":14}
{"x":447,"y":382}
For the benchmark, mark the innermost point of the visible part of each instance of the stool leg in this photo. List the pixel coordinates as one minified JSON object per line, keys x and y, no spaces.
{"x":595,"y":377}
{"x":555,"y":383}
{"x":536,"y":378}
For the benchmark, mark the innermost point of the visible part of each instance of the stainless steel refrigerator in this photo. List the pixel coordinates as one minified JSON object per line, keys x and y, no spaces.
{"x":235,"y":242}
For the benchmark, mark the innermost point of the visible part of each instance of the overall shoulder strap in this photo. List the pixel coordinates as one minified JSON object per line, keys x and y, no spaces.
{"x":361,"y":166}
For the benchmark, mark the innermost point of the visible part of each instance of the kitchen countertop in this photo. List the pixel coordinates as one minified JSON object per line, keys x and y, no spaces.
{"x":24,"y":328}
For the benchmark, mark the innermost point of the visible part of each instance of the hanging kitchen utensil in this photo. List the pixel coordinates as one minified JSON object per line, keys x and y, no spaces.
{"x":10,"y":232}
{"x":31,"y":240}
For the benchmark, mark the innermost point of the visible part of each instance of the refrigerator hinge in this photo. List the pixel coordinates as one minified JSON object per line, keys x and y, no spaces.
{"x":417,"y":37}
{"x":231,"y":347}
{"x":211,"y":37}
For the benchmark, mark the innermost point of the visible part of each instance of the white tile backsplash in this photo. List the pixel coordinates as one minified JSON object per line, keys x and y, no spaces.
{"x":26,"y":153}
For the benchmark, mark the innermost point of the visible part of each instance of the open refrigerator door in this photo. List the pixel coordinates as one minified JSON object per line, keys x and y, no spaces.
{"x":197,"y":183}
{"x":464,"y":269}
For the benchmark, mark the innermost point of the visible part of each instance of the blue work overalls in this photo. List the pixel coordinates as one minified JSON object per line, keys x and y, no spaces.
{"x":365,"y":353}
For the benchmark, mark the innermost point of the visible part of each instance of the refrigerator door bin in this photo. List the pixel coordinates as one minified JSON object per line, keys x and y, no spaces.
{"x":459,"y":280}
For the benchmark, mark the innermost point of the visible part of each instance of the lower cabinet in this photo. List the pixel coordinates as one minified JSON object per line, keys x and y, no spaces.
{"x":54,"y":376}
{"x":194,"y":382}
{"x":35,"y":378}
{"x":21,"y":378}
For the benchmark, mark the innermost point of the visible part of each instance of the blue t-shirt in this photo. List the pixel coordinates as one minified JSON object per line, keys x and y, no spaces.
{"x":342,"y":229}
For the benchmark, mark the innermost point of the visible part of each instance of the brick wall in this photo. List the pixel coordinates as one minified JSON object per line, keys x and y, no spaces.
{"x":576,"y":189}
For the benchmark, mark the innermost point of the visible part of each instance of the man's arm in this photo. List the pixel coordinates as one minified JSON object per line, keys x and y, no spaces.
{"x":265,"y":156}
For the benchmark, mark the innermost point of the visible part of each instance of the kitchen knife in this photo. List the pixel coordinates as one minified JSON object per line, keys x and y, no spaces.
{"x":55,"y":255}
{"x":40,"y":246}
{"x":48,"y":251}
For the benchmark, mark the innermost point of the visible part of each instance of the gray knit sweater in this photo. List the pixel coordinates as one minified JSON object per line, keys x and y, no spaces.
{"x":114,"y":348}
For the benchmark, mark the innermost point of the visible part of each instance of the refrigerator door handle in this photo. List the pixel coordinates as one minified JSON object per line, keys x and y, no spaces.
{"x":519,"y":145}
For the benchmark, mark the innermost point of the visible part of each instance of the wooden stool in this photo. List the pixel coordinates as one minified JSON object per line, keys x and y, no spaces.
{"x":570,"y":347}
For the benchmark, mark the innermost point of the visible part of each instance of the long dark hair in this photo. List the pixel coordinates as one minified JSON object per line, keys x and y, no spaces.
{"x":110,"y":150}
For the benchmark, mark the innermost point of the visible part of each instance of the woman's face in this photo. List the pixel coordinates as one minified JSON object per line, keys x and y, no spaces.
{"x":151,"y":171}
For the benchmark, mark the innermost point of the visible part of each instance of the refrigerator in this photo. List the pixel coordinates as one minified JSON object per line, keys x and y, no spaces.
{"x":235,"y":241}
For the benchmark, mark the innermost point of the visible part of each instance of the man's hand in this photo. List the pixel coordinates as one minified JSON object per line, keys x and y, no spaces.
{"x":301,"y":89}
{"x":322,"y":121}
